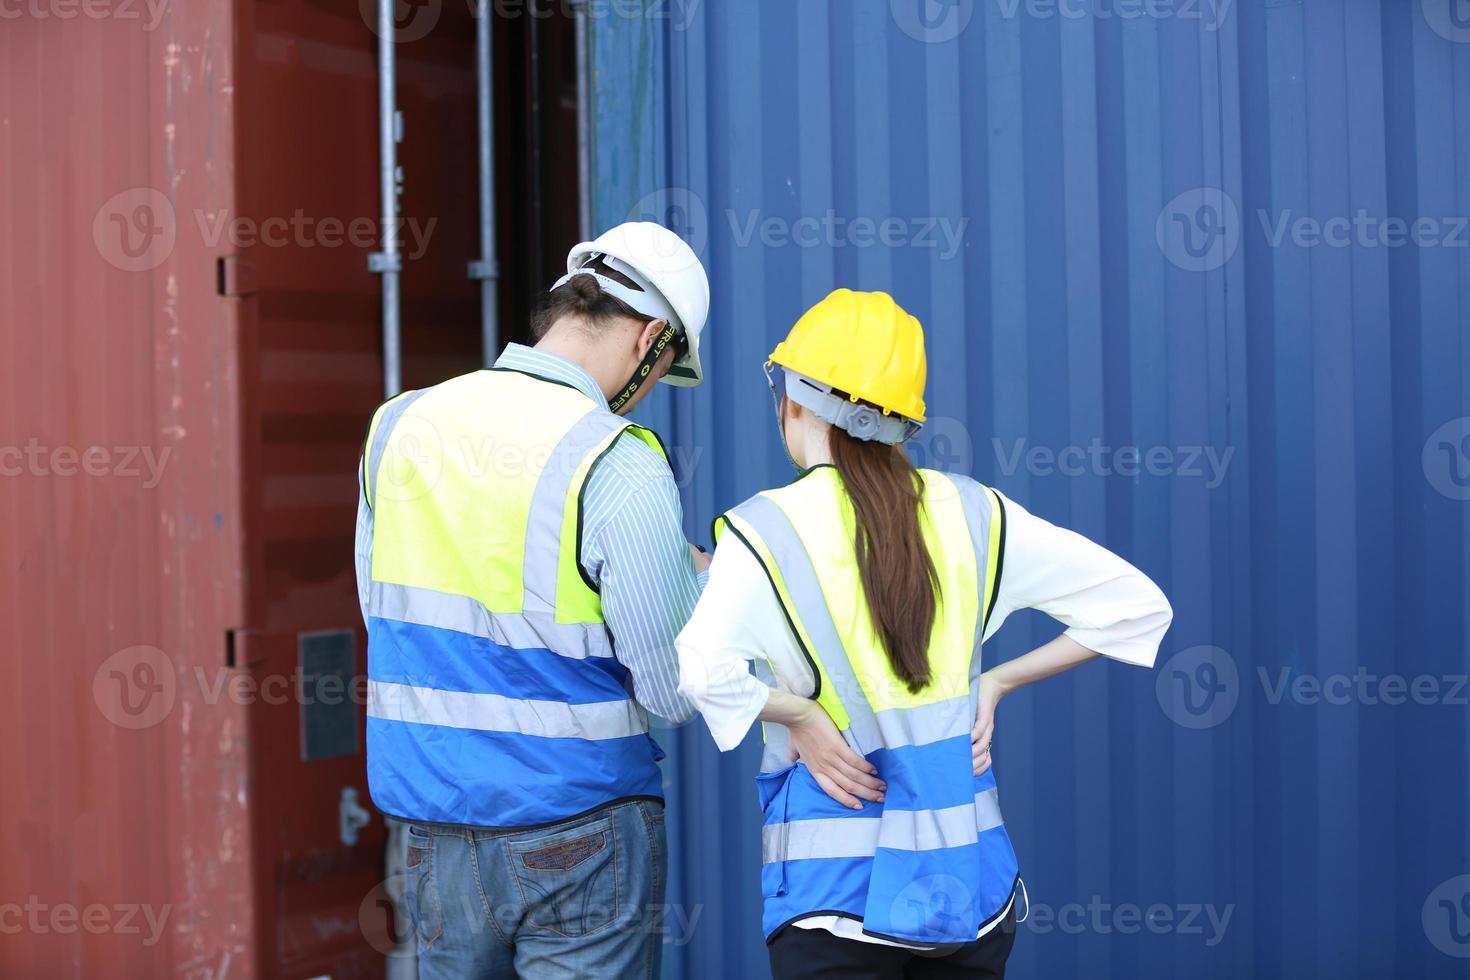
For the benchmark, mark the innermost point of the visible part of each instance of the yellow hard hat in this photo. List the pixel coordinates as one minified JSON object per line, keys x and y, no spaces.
{"x":864,"y":344}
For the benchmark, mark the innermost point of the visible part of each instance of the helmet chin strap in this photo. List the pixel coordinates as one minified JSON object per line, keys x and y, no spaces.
{"x":645,"y":368}
{"x":770,"y":370}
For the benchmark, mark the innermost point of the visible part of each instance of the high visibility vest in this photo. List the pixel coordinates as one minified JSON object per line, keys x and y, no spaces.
{"x":494,"y":698}
{"x":933,"y":864}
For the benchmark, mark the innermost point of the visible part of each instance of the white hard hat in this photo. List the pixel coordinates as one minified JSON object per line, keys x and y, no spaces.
{"x":671,"y":281}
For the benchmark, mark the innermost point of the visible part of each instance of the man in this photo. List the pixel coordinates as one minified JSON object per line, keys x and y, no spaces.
{"x":523,"y":574}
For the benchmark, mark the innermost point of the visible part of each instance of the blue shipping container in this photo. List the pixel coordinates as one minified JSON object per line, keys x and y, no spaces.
{"x":1196,"y":284}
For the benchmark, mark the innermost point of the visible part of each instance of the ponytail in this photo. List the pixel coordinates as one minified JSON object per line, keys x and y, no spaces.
{"x":896,"y":568}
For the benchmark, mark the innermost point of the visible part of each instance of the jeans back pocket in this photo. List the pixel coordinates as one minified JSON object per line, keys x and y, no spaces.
{"x":569,"y":879}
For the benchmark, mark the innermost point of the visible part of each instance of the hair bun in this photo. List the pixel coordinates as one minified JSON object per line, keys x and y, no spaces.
{"x":584,"y":293}
{"x":582,"y":297}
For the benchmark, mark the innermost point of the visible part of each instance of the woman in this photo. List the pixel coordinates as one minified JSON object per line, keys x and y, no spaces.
{"x":861,"y":592}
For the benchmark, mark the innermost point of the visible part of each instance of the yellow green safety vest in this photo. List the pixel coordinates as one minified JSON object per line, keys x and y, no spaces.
{"x":933,"y":863}
{"x":494,"y":698}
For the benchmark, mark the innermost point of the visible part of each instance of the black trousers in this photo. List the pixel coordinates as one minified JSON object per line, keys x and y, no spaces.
{"x":812,"y":954}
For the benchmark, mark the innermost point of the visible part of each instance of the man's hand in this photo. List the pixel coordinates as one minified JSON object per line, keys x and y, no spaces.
{"x":701,"y":559}
{"x":842,"y":773}
{"x":980,"y":735}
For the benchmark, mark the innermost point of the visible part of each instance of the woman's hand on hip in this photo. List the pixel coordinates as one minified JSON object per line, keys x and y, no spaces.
{"x":984,"y":730}
{"x":842,"y":773}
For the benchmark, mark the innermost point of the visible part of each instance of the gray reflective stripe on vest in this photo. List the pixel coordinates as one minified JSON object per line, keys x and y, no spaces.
{"x":905,"y":830}
{"x":976,"y":503}
{"x":548,"y":506}
{"x":494,"y":713}
{"x":926,"y":723}
{"x":522,"y":631}
{"x":929,"y":830}
{"x":777,"y":752}
{"x":894,"y":728}
{"x":805,"y":590}
{"x":392,"y":412}
{"x":833,"y":837}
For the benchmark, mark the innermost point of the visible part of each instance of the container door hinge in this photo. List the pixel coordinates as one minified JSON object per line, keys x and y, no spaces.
{"x":238,"y":652}
{"x":235,"y":277}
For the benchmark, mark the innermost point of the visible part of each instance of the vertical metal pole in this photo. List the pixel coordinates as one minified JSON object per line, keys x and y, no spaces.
{"x":402,"y":961}
{"x":389,"y":262}
{"x":487,"y":267}
{"x":583,"y":28}
{"x":539,"y":269}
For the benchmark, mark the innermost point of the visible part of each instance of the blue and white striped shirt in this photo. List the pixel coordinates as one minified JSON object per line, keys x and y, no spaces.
{"x":633,"y":547}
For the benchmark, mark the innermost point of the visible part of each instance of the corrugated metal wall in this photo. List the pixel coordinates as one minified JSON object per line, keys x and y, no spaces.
{"x":1116,"y":222}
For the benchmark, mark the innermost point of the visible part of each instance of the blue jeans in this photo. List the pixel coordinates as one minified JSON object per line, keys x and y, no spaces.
{"x":581,"y":898}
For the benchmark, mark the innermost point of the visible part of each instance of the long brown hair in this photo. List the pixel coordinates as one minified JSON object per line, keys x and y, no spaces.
{"x":897,"y":571}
